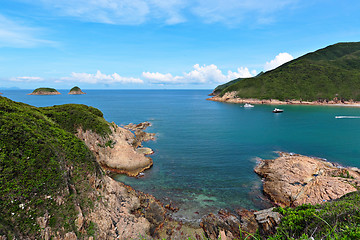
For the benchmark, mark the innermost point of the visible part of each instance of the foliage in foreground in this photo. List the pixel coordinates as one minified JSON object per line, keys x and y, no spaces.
{"x":339,"y":219}
{"x":332,"y":72}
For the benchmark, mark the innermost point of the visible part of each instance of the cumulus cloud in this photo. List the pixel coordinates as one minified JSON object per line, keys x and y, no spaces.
{"x":26,"y":79}
{"x":206,"y":74}
{"x":279,"y":60}
{"x":130,"y":12}
{"x":100,"y":78}
{"x":17,"y":34}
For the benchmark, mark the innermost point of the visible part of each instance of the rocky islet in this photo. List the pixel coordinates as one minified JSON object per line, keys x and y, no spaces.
{"x":76,"y":91}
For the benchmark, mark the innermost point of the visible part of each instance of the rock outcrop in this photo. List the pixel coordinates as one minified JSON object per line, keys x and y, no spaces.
{"x":118,"y":152}
{"x":76,"y":91}
{"x":140,"y":134}
{"x":240,"y":224}
{"x":292,"y":179}
{"x":120,"y":212}
{"x":223,"y":225}
{"x":267,"y":220}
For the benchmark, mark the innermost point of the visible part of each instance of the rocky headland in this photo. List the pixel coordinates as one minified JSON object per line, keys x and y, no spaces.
{"x":71,"y":196}
{"x":230,"y":97}
{"x":45,"y":91}
{"x":121,"y":151}
{"x":76,"y":91}
{"x":293,"y":179}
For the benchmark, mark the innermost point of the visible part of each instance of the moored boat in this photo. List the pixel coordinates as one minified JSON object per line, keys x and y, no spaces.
{"x":277,"y":110}
{"x":248,"y":105}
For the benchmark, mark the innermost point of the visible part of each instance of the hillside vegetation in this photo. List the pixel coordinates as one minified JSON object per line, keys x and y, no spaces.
{"x":44,"y":167}
{"x":331,"y":72}
{"x":44,"y":90}
{"x":75,"y":89}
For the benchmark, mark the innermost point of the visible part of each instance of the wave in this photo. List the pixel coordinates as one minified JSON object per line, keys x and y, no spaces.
{"x":347,"y":116}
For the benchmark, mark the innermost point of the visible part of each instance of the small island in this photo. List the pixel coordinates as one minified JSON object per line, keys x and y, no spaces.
{"x":76,"y":91}
{"x":45,"y":91}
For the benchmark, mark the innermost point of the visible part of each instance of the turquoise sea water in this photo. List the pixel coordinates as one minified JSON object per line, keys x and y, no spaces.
{"x":205,"y":151}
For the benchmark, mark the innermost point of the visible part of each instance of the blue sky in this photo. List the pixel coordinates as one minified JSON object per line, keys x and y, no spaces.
{"x":161,"y":44}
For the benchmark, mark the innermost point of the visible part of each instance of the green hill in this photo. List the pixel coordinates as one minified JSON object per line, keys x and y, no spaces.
{"x":327,"y":73}
{"x":40,"y":162}
{"x":76,"y":90}
{"x":45,"y":91}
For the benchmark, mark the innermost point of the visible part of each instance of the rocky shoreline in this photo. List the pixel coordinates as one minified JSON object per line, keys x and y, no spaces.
{"x":125,"y":213}
{"x":44,"y":93}
{"x":230,"y":97}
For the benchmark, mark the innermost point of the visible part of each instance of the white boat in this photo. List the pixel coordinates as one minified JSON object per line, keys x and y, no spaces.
{"x":277,"y":110}
{"x":248,"y":105}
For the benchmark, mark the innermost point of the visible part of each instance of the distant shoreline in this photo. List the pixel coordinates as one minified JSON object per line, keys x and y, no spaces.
{"x":231,"y":98}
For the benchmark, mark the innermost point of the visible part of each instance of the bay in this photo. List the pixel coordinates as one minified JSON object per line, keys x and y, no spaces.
{"x":205,"y":151}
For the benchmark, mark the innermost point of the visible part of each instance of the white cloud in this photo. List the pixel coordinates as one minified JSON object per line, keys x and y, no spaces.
{"x":17,"y":34}
{"x":100,"y":78}
{"x":232,"y":12}
{"x":206,"y":74}
{"x":130,"y":12}
{"x":26,"y":79}
{"x":279,"y":60}
{"x":124,"y":12}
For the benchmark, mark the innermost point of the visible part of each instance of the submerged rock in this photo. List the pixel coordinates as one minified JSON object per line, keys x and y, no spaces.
{"x":292,"y":179}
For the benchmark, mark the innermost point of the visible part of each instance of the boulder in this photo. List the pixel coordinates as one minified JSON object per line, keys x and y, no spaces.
{"x":293,"y":179}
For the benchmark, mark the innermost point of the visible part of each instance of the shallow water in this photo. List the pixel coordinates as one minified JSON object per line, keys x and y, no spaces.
{"x":205,"y":151}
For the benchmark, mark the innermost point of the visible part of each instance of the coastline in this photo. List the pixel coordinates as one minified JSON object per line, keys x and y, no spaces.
{"x":143,"y":213}
{"x":230,"y":97}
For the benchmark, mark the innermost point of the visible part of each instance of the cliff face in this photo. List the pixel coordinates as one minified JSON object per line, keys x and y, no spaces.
{"x":112,"y":215}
